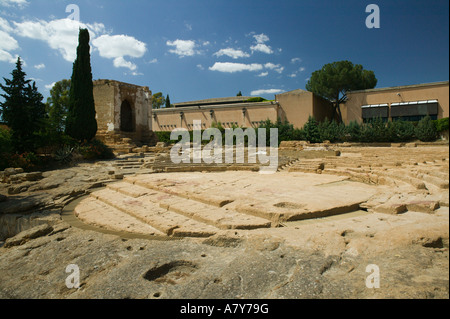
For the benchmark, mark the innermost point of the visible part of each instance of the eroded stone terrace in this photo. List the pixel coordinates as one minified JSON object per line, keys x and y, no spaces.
{"x":389,"y":180}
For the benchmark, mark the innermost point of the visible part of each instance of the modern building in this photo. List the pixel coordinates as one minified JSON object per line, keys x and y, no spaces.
{"x":295,"y":107}
{"x":411,"y":103}
{"x":125,"y":110}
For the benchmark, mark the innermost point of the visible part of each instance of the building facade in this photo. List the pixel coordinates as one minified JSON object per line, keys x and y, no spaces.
{"x":123,"y":111}
{"x":411,"y":103}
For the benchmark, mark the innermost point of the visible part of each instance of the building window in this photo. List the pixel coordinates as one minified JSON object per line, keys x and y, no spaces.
{"x":371,"y":112}
{"x":414,"y":111}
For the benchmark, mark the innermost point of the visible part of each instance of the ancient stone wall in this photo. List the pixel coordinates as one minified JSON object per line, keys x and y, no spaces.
{"x":123,"y":111}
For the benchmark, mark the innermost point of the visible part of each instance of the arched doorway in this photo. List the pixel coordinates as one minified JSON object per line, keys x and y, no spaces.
{"x":126,"y":117}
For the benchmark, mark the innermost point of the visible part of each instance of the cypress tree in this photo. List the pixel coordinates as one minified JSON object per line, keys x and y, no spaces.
{"x":81,"y":123}
{"x":168,"y":105}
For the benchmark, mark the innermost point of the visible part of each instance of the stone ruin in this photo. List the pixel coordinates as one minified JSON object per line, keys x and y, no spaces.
{"x":124,"y":114}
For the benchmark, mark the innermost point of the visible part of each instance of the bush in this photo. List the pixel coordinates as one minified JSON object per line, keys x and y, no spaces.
{"x":380,"y":130}
{"x":353,"y":131}
{"x":163,"y":137}
{"x":298,"y":135}
{"x":95,"y":149}
{"x":256,"y":99}
{"x":366,"y":133}
{"x":5,"y":141}
{"x":426,"y":130}
{"x":401,"y":131}
{"x":331,"y":131}
{"x":312,"y":132}
{"x":28,"y":161}
{"x":442,"y":125}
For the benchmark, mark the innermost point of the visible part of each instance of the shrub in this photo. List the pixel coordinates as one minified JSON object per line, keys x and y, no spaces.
{"x":95,"y":149}
{"x":331,"y":131}
{"x":298,"y":135}
{"x":256,"y":99}
{"x":366,"y":133}
{"x":442,"y":124}
{"x":353,"y":131}
{"x":311,"y":129}
{"x":5,"y":141}
{"x":401,"y":131}
{"x":28,"y":161}
{"x":380,"y":130}
{"x":426,"y":130}
{"x":163,"y":137}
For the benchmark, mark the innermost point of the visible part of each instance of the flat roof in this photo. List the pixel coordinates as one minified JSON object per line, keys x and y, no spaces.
{"x":401,"y":87}
{"x":215,"y":101}
{"x":215,"y":106}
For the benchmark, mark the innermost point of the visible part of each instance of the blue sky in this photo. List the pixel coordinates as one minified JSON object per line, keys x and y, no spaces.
{"x":215,"y":48}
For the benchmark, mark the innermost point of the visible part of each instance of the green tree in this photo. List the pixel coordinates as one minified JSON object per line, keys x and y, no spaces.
{"x":239,"y":94}
{"x":331,"y":131}
{"x":401,"y":131}
{"x":336,"y":79}
{"x":426,"y":130}
{"x":158,"y":100}
{"x":168,"y":105}
{"x":58,"y":105}
{"x":80,"y":122}
{"x":22,"y":110}
{"x":311,"y":130}
{"x":353,"y":131}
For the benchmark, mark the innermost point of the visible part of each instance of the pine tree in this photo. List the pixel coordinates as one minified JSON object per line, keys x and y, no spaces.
{"x":168,"y":105}
{"x":81,"y":123}
{"x":22,"y":110}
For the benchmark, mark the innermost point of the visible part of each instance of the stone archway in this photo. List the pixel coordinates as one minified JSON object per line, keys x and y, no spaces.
{"x":126,"y":117}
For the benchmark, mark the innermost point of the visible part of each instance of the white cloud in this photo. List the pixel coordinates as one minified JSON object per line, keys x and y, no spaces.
{"x":263,"y":74}
{"x":200,"y":67}
{"x":229,"y":67}
{"x":39,"y":66}
{"x":120,"y":62}
{"x":11,"y":3}
{"x":7,"y":57}
{"x":293,"y":75}
{"x":182,"y":47}
{"x":116,"y":46}
{"x":50,"y":86}
{"x":155,"y":60}
{"x":295,"y":60}
{"x":276,"y":67}
{"x":261,"y":38}
{"x":4,"y":25}
{"x":232,"y":53}
{"x":263,"y":92}
{"x":261,"y":47}
{"x":302,"y":69}
{"x":7,"y":42}
{"x":61,"y":35}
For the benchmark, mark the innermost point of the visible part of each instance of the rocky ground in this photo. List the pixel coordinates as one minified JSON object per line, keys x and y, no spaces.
{"x":402,"y":233}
